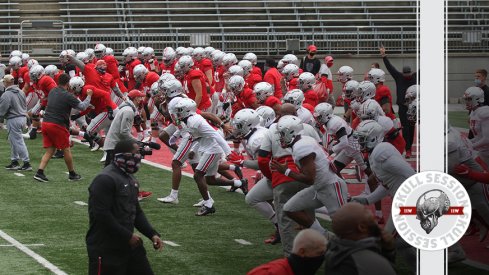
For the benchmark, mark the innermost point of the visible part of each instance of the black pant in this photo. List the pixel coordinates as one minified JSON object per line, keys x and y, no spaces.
{"x":135,"y":262}
{"x":109,"y":157}
{"x":407,"y":127}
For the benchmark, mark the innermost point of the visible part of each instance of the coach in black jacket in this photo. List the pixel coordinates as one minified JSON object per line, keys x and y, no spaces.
{"x":114,"y":212}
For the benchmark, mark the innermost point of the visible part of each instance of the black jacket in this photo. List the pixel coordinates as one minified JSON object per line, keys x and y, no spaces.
{"x":114,"y":212}
{"x":401,"y":83}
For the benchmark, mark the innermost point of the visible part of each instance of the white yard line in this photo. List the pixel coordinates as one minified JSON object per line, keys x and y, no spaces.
{"x":32,"y":254}
{"x":241,"y":241}
{"x":19,"y":174}
{"x":11,"y":245}
{"x":82,"y":203}
{"x":170,"y":243}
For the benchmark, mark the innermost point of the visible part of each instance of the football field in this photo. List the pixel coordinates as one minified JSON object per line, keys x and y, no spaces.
{"x":50,"y":220}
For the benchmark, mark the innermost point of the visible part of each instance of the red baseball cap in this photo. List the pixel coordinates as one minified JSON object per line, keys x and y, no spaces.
{"x":135,"y":93}
{"x":312,"y":48}
{"x":328,"y":58}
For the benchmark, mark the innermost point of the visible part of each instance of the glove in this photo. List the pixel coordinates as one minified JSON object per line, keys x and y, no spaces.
{"x":236,"y":158}
{"x":75,"y":117}
{"x":172,"y":140}
{"x":360,"y":199}
{"x":461,"y":169}
{"x":226,"y":105}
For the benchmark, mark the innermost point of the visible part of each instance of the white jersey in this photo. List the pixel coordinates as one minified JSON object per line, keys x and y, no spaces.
{"x":271,"y":140}
{"x":305,"y":116}
{"x":389,"y":166}
{"x":479,"y":122}
{"x":335,"y":124}
{"x":306,"y":146}
{"x":386,"y":123}
{"x":253,"y":143}
{"x":210,"y":141}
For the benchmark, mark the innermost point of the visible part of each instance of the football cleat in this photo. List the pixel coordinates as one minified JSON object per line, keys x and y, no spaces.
{"x":143,"y":194}
{"x":168,"y":199}
{"x":26,"y":167}
{"x":244,"y":186}
{"x":274,"y":239}
{"x":204,"y":210}
{"x":74,"y":177}
{"x":14,"y":165}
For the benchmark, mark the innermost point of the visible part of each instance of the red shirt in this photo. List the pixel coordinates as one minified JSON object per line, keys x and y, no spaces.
{"x":204,"y":65}
{"x":382,"y":92}
{"x":219,"y":78}
{"x":252,"y":79}
{"x":100,"y":100}
{"x":154,"y":64}
{"x":43,"y":87}
{"x":272,"y":101}
{"x":102,"y":81}
{"x":276,"y":267}
{"x":279,"y":178}
{"x":273,"y":77}
{"x":293,"y":84}
{"x":245,"y":99}
{"x":113,"y":69}
{"x":311,"y":97}
{"x":256,"y":70}
{"x":22,"y":72}
{"x":193,"y":74}
{"x":150,"y":78}
{"x":131,"y":82}
{"x":27,"y":79}
{"x":168,"y":69}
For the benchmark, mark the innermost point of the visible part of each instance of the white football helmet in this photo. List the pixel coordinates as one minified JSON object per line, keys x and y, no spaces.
{"x":369,"y":133}
{"x":411,"y":94}
{"x":63,"y":57}
{"x":70,"y":52}
{"x":15,"y":62}
{"x":148,"y":53}
{"x":351,"y":89}
{"x":345,"y":73}
{"x":306,"y":80}
{"x":235,"y":70}
{"x":290,"y":59}
{"x":177,"y":71}
{"x":263,"y":90}
{"x":109,"y":51}
{"x":83,"y":57}
{"x":369,"y":110}
{"x":290,"y":71}
{"x":172,"y":88}
{"x":185,"y":108}
{"x":366,"y":90}
{"x":169,"y":56}
{"x":246,"y":65}
{"x":474,"y":97}
{"x":280,"y":66}
{"x":267,"y":116}
{"x":36,"y":72}
{"x":295,"y":97}
{"x":140,"y":72}
{"x":15,"y":53}
{"x":198,"y":53}
{"x":140,"y":51}
{"x":31,"y":63}
{"x":25,"y":58}
{"x":251,"y":57}
{"x":236,"y":84}
{"x":180,"y":51}
{"x":189,"y":51}
{"x":129,"y":54}
{"x":289,"y":127}
{"x":100,"y":50}
{"x":208,"y":52}
{"x":217,"y":57}
{"x":244,"y":122}
{"x":229,"y":60}
{"x":165,"y":77}
{"x":323,"y":112}
{"x":91,"y":53}
{"x":376,"y":75}
{"x":76,"y":84}
{"x":185,"y":63}
{"x":51,"y":70}
{"x":155,"y":89}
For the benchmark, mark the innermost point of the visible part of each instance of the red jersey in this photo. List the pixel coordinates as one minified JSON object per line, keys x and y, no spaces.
{"x":252,"y":79}
{"x":102,"y":81}
{"x":219,"y":78}
{"x":21,"y":79}
{"x":152,"y":66}
{"x":100,"y":100}
{"x":293,"y":84}
{"x":56,"y":76}
{"x":131,"y":82}
{"x":280,"y":266}
{"x":204,"y":65}
{"x":256,"y":70}
{"x":113,"y":69}
{"x":273,"y":77}
{"x":311,"y":97}
{"x":193,"y":74}
{"x":43,"y":87}
{"x":168,"y":69}
{"x":27,"y":79}
{"x":245,"y":99}
{"x":382,"y":93}
{"x":150,"y":78}
{"x":272,"y":101}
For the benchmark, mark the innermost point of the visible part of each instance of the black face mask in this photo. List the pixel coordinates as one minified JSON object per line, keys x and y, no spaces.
{"x":100,"y":70}
{"x":305,"y":265}
{"x":312,"y":54}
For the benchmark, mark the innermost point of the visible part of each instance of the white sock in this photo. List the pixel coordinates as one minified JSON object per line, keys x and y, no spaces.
{"x":81,"y":134}
{"x":209,"y":194}
{"x":378,"y":213}
{"x":208,"y":203}
{"x":237,"y":183}
{"x":316,"y":226}
{"x":232,"y":167}
{"x":174,"y":193}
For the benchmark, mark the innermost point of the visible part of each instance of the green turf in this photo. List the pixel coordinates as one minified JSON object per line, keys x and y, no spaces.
{"x":459,"y":119}
{"x":34,"y":212}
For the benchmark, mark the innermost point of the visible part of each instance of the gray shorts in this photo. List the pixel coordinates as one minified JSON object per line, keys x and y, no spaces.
{"x":331,"y":195}
{"x":183,"y":152}
{"x":170,"y":129}
{"x":209,"y":163}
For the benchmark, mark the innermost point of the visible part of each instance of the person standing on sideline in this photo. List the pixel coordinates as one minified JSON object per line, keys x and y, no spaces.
{"x":403,"y":80}
{"x":55,"y":134}
{"x":114,"y":213}
{"x":13,"y":108}
{"x":309,"y":63}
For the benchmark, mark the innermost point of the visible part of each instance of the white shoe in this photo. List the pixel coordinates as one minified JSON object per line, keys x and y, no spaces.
{"x":95,"y":147}
{"x":104,"y":157}
{"x":201,"y":203}
{"x":168,"y":199}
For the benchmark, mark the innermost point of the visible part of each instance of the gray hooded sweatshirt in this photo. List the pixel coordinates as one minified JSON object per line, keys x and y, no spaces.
{"x":13,"y":103}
